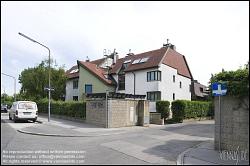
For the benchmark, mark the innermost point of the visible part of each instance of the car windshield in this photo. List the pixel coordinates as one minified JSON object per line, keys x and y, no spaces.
{"x":26,"y":105}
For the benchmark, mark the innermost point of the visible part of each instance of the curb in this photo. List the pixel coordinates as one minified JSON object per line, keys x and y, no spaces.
{"x":180,"y":158}
{"x":60,"y":135}
{"x":38,"y":121}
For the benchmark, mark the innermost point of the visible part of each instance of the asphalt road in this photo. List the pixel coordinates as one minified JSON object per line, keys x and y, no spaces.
{"x":160,"y":145}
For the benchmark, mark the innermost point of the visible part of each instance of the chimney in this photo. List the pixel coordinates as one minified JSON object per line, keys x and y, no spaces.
{"x":169,"y":45}
{"x":115,"y":57}
{"x":87,"y":59}
{"x":130,"y":53}
{"x":173,"y":47}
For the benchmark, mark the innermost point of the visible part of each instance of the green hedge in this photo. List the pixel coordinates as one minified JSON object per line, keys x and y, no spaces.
{"x":163,"y":108}
{"x":70,"y":108}
{"x":184,"y":109}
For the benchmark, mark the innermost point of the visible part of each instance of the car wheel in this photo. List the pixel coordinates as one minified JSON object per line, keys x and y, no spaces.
{"x":10,"y":117}
{"x":14,"y":119}
{"x":34,"y":120}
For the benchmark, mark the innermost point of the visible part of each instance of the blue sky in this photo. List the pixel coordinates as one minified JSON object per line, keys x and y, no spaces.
{"x":211,"y":35}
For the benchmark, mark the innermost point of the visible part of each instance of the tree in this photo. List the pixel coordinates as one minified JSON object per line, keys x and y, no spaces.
{"x":34,"y":80}
{"x":237,"y":81}
{"x":5,"y":99}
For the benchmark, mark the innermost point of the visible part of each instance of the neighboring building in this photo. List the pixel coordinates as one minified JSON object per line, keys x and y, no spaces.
{"x":72,"y":84}
{"x":88,"y":77}
{"x":199,"y":91}
{"x":93,"y":79}
{"x":161,"y":74}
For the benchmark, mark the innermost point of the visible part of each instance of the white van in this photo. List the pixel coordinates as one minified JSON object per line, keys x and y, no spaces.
{"x":23,"y":110}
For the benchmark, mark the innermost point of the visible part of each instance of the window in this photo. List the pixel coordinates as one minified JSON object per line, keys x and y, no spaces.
{"x":144,"y":60}
{"x":201,"y":89}
{"x":127,"y":61}
{"x":73,"y":71}
{"x":121,"y":82}
{"x":75,"y":98}
{"x":173,"y":96}
{"x":141,"y":60}
{"x":136,"y":61}
{"x":154,"y":76}
{"x":88,"y":88}
{"x":75,"y":84}
{"x":125,"y":65}
{"x":190,"y":88}
{"x":154,"y":96}
{"x":180,"y":84}
{"x":173,"y":78}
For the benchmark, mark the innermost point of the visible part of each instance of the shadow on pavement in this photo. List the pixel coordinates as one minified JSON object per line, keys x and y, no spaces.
{"x":171,"y":149}
{"x":201,"y":130}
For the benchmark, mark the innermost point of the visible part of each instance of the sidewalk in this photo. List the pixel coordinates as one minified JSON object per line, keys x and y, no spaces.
{"x":204,"y":154}
{"x":66,"y":128}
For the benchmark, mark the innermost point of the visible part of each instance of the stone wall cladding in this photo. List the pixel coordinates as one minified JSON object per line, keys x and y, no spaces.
{"x":234,"y":123}
{"x":96,"y":112}
{"x":155,"y":118}
{"x":119,"y":113}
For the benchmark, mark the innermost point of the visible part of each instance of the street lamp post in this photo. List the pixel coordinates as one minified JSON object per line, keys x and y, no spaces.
{"x":14,"y":84}
{"x":49,"y":88}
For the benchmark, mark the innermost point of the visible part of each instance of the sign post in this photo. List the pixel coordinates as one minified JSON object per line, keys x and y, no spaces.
{"x":219,"y":89}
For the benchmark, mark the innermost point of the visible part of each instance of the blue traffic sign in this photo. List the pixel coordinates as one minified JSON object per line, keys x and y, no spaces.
{"x":219,"y":89}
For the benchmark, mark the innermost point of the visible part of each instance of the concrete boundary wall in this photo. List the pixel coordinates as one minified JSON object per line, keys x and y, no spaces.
{"x":117,"y":112}
{"x":233,"y":130}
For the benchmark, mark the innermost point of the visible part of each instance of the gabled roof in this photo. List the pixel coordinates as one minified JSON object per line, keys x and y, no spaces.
{"x":177,"y":61}
{"x":98,"y":61}
{"x":154,"y":56}
{"x":69,"y":73}
{"x":96,"y":71}
{"x":164,"y":55}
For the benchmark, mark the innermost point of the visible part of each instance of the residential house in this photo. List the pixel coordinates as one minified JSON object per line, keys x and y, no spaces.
{"x":88,"y":77}
{"x":161,"y":74}
{"x":72,"y":84}
{"x":198,"y":91}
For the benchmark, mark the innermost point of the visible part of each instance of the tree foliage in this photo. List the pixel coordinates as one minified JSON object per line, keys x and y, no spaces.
{"x":34,"y":80}
{"x":237,"y":81}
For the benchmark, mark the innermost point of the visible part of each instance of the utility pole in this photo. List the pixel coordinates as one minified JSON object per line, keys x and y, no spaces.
{"x":49,"y":88}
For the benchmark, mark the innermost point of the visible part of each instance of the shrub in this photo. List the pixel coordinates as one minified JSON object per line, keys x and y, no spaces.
{"x":70,"y":108}
{"x":184,"y":109}
{"x":178,"y":107}
{"x":163,"y":108}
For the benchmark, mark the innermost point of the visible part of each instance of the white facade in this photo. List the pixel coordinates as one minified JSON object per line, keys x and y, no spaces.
{"x":166,"y":85}
{"x":70,"y":91}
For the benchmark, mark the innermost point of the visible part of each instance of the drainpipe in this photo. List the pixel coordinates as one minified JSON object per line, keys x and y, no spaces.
{"x":134,"y":84}
{"x":107,"y":109}
{"x":134,"y":99}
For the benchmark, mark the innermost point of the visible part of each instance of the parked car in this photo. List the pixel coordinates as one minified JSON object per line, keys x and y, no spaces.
{"x":23,"y":110}
{"x":4,"y":108}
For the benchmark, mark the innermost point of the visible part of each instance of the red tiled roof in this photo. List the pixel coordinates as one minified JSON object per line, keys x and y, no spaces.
{"x":167,"y":56}
{"x":98,"y":61}
{"x":72,"y":75}
{"x":76,"y":74}
{"x":154,"y":56}
{"x":97,"y":71}
{"x":177,"y":61}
